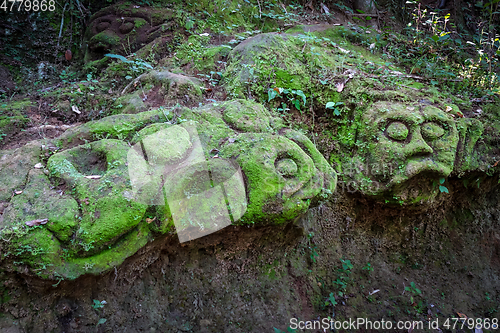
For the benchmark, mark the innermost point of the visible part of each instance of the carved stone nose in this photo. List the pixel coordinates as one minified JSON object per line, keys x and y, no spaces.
{"x":417,"y":145}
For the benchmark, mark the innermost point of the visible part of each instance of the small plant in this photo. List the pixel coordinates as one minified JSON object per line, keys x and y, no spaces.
{"x":343,"y":278}
{"x":98,"y":304}
{"x":136,"y":65}
{"x":414,"y":290}
{"x":368,"y":268}
{"x":335,"y":106}
{"x":101,"y":321}
{"x":292,"y":95}
{"x":441,"y":187}
{"x":330,"y":300}
{"x":312,"y":247}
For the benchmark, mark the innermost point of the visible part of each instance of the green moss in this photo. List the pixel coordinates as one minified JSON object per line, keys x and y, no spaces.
{"x":130,"y":103}
{"x":13,"y":117}
{"x":107,"y":211}
{"x":139,"y":22}
{"x":14,"y":168}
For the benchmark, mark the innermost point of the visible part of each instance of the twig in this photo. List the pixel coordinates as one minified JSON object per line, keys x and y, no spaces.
{"x":62,"y":23}
{"x":136,"y":80}
{"x":260,"y":11}
{"x":80,"y":8}
{"x":49,"y":127}
{"x":365,"y":15}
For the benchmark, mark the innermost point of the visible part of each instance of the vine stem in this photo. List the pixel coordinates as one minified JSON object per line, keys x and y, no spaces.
{"x":62,"y":23}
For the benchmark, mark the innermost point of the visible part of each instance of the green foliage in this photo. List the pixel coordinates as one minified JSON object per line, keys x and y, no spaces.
{"x":441,"y":187}
{"x":290,"y":95}
{"x":450,"y":57}
{"x":368,"y":268}
{"x":331,"y":300}
{"x":97,"y":305}
{"x":136,"y":65}
{"x":335,"y":107}
{"x":343,"y":278}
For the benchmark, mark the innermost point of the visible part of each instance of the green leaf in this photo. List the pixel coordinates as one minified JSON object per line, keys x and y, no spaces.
{"x":102,"y":321}
{"x":117,"y":56}
{"x":441,"y":180}
{"x":435,"y":38}
{"x":332,"y":300}
{"x":443,"y":189}
{"x":301,"y":94}
{"x":189,"y":24}
{"x":323,"y":82}
{"x":271,"y":94}
{"x":337,"y":112}
{"x":330,"y":105}
{"x":296,"y":103}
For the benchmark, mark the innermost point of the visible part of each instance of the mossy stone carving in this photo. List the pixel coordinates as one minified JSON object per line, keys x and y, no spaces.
{"x":123,"y":28}
{"x":185,"y":170}
{"x":404,"y":152}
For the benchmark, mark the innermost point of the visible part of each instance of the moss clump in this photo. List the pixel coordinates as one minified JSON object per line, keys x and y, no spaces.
{"x":107,"y":211}
{"x":13,"y":117}
{"x":310,"y":62}
{"x":14,"y":168}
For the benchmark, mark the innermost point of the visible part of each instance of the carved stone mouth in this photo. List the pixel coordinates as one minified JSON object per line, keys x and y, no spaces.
{"x":417,"y":170}
{"x":99,"y":50}
{"x":423,"y":186}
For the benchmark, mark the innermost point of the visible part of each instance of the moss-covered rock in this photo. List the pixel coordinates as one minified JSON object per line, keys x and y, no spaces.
{"x":40,"y":201}
{"x":196,"y":169}
{"x":99,"y":177}
{"x":309,"y":59}
{"x":159,"y":88}
{"x":13,"y":117}
{"x":124,"y":28}
{"x":14,"y":168}
{"x":403,"y":150}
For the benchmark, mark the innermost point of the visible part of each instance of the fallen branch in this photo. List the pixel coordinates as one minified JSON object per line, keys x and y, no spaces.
{"x":62,"y":23}
{"x":49,"y":127}
{"x":135,"y":81}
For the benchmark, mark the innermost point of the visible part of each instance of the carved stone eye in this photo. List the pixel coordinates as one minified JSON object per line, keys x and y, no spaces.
{"x":126,"y":27}
{"x":432,"y":131}
{"x":286,"y":167}
{"x":397,"y":131}
{"x":101,"y":26}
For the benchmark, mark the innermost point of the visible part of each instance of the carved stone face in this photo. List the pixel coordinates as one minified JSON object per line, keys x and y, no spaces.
{"x":122,"y":29}
{"x":404,"y":151}
{"x":283,"y":172}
